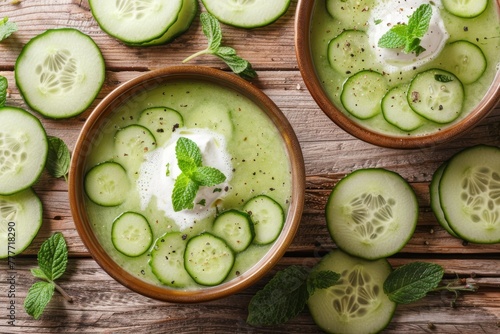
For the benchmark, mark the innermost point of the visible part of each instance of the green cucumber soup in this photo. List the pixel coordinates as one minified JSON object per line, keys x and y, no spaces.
{"x":405,"y":94}
{"x":233,"y":135}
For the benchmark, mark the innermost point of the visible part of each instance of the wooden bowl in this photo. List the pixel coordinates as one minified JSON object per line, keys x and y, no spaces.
{"x":306,"y":65}
{"x":91,"y":130}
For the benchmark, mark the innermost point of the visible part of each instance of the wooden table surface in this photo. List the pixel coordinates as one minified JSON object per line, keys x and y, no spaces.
{"x":102,"y":305}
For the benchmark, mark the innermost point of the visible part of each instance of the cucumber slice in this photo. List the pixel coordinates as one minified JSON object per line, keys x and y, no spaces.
{"x":136,"y":21}
{"x":131,"y":234}
{"x":60,"y":72}
{"x":161,"y":121}
{"x":23,"y":150}
{"x":372,"y":213}
{"x":361,"y":92}
{"x":213,"y":116}
{"x":267,"y":216}
{"x":247,"y":13}
{"x":131,"y":144}
{"x":436,"y":95}
{"x":350,"y":52}
{"x":208,"y":259}
{"x":20,"y":221}
{"x":167,"y":260}
{"x":465,"y":8}
{"x":397,"y":111}
{"x":185,"y":19}
{"x":357,"y":303}
{"x":464,"y":59}
{"x":351,"y":13}
{"x":469,"y":193}
{"x":107,"y":184}
{"x":435,"y":201}
{"x":236,"y":228}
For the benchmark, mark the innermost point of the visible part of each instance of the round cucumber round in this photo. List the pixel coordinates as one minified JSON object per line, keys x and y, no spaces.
{"x":236,"y":228}
{"x":211,"y":115}
{"x":372,"y":213}
{"x":131,"y":234}
{"x":351,"y":13}
{"x":161,"y":121}
{"x":167,"y":260}
{"x":136,"y":21}
{"x":362,"y":93}
{"x":469,"y":193}
{"x":247,"y":14}
{"x":465,"y":8}
{"x":349,"y":52}
{"x":464,"y":59}
{"x":397,"y":111}
{"x":20,"y":221}
{"x":357,"y":302}
{"x":267,"y":216}
{"x":23,"y":150}
{"x":131,"y":143}
{"x":107,"y":184}
{"x":436,"y":95}
{"x":60,"y":72}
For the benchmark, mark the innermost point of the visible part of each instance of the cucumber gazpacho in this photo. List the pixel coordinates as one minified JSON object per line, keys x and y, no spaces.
{"x":405,"y":67}
{"x":187,"y":184}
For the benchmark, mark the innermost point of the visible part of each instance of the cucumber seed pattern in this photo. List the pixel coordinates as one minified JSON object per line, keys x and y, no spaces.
{"x":136,"y":9}
{"x":481,"y":196}
{"x":372,"y":214}
{"x":12,"y":153}
{"x":58,"y":73}
{"x":355,"y":294}
{"x":8,"y":213}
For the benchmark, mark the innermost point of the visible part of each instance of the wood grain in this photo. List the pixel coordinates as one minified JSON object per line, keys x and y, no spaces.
{"x":103,"y":305}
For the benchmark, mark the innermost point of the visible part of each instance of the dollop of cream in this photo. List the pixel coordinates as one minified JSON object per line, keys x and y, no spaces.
{"x":388,"y":13}
{"x":159,"y":171}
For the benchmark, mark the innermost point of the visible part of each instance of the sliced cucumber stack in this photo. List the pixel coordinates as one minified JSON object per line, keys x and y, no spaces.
{"x":131,"y":234}
{"x":436,"y":95}
{"x":20,"y":221}
{"x":60,"y":72}
{"x":469,"y":193}
{"x":247,"y":14}
{"x":435,"y":201}
{"x":361,"y":92}
{"x":465,"y":8}
{"x":107,"y":184}
{"x":464,"y":59}
{"x":23,"y":150}
{"x":357,"y":302}
{"x":136,"y":21}
{"x":372,"y":213}
{"x":397,"y":111}
{"x":349,"y":52}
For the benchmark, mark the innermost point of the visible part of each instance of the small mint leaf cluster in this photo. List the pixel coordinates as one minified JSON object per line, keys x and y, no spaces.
{"x":408,"y":36}
{"x":7,"y":28}
{"x":194,"y":175}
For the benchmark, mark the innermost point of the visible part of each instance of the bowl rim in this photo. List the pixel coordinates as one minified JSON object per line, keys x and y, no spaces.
{"x":83,"y":145}
{"x":308,"y":72}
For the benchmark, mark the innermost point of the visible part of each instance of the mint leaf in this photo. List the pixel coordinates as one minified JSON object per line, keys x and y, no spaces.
{"x":37,"y":272}
{"x":184,"y":193}
{"x":6,"y":28}
{"x":321,"y":280}
{"x":39,"y":295}
{"x":58,"y":158}
{"x":408,"y":37}
{"x":3,"y":90}
{"x":212,"y":30}
{"x":188,"y":155}
{"x":283,"y":298}
{"x":412,"y":281}
{"x":53,"y":256}
{"x":208,"y":176}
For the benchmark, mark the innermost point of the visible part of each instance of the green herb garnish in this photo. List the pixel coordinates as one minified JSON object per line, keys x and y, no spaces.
{"x":212,"y":30}
{"x":408,"y":36}
{"x":58,"y":158}
{"x":443,"y":78}
{"x":412,"y":281}
{"x":52,"y":261}
{"x":3,"y":90}
{"x":193,"y":176}
{"x":7,"y":28}
{"x":286,"y":295}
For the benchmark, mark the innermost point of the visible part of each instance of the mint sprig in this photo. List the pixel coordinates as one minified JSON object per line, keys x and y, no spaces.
{"x":194,"y":175}
{"x":52,"y":261}
{"x":408,"y":36}
{"x":7,"y":28}
{"x":286,"y":295}
{"x":3,"y":90}
{"x":412,"y":281}
{"x":58,"y":158}
{"x":212,"y":30}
